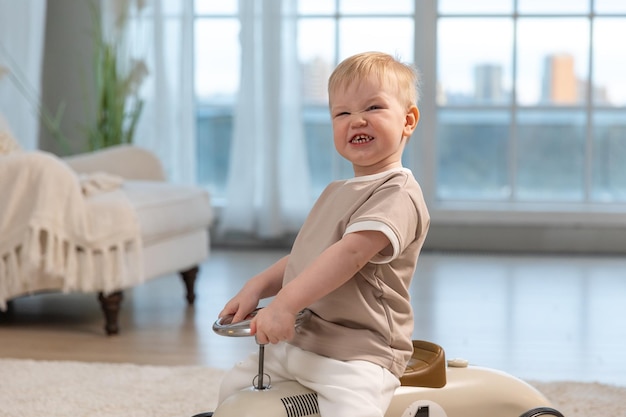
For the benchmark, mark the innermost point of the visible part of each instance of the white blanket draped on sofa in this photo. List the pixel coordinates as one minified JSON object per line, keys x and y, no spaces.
{"x":58,"y":231}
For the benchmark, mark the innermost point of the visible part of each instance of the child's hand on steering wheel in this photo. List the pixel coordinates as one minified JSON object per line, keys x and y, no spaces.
{"x":239,"y":307}
{"x":273,"y":325}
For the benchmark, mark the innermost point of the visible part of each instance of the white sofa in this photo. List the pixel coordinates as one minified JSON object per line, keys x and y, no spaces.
{"x":173,"y":219}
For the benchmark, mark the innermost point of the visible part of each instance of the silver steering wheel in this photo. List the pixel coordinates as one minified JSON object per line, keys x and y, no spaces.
{"x":226,"y":327}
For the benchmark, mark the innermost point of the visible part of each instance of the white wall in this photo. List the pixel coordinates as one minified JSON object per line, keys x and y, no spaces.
{"x":66,"y":75}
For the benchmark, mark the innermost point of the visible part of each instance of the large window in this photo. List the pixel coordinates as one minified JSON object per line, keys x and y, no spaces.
{"x":526,"y":99}
{"x":530,"y":101}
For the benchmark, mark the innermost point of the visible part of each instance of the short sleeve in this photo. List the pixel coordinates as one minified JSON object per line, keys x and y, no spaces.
{"x":381,"y":258}
{"x":392,"y":211}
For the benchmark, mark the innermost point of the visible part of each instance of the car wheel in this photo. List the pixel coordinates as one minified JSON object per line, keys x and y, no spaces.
{"x":542,"y":411}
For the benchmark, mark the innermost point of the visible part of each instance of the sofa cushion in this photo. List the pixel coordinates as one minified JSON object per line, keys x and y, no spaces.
{"x":165,"y":209}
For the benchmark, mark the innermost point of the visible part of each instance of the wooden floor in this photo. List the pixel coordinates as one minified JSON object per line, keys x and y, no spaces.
{"x":537,"y":317}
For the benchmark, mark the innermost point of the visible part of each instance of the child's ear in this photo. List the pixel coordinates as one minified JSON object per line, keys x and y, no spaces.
{"x":411,"y":120}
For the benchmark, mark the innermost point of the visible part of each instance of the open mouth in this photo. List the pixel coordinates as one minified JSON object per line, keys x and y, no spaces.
{"x":361,"y":139}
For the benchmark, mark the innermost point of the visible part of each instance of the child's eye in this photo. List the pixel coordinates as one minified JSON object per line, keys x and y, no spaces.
{"x":343,"y":113}
{"x":374,"y":107}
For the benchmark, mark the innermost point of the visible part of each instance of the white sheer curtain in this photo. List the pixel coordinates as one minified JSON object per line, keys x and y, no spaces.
{"x":162,"y":35}
{"x":268,"y":192}
{"x":22,"y":29}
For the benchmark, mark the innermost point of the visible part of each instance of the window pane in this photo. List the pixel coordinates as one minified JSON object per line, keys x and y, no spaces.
{"x":609,"y":66}
{"x":215,"y":7}
{"x":552,"y":69}
{"x":476,"y":6}
{"x":390,"y":35}
{"x":553,"y":6}
{"x":319,"y":142}
{"x":472,"y":155}
{"x":610,"y":6}
{"x":216,"y":76}
{"x":376,"y":7}
{"x":316,"y":52}
{"x":609,"y":157}
{"x":214,"y":128}
{"x":316,"y":7}
{"x":216,"y":63}
{"x":474,"y":60}
{"x":550,"y":155}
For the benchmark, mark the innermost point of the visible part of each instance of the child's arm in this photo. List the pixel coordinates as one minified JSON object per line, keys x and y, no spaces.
{"x":334,"y":267}
{"x":263,"y":285}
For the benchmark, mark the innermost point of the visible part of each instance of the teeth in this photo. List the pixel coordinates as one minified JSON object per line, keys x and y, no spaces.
{"x":361,"y":139}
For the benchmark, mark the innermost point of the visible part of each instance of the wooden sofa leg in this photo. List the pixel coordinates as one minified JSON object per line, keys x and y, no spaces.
{"x":189,"y":278}
{"x":111,"y":307}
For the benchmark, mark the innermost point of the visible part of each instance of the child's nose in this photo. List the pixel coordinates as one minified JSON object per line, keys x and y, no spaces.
{"x":358,"y":121}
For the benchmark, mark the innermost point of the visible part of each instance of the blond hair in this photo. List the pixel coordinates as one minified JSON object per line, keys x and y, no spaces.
{"x":404,"y":77}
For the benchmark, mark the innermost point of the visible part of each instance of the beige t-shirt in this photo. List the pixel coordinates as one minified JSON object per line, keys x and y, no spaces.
{"x":369,"y":317}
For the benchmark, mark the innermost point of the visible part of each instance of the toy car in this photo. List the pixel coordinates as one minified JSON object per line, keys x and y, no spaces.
{"x":430,"y":387}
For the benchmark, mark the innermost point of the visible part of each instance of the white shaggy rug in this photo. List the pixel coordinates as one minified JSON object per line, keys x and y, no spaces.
{"x":62,"y":389}
{"x":578,"y":399}
{"x":59,"y":389}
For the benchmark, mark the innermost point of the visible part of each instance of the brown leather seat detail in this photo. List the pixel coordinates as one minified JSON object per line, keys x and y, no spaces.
{"x":427,"y":366}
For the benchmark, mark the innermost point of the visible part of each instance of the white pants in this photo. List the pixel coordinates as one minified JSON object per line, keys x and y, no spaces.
{"x":350,"y":388}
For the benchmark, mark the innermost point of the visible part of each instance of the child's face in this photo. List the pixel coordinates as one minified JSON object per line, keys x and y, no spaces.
{"x":370,"y":125}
